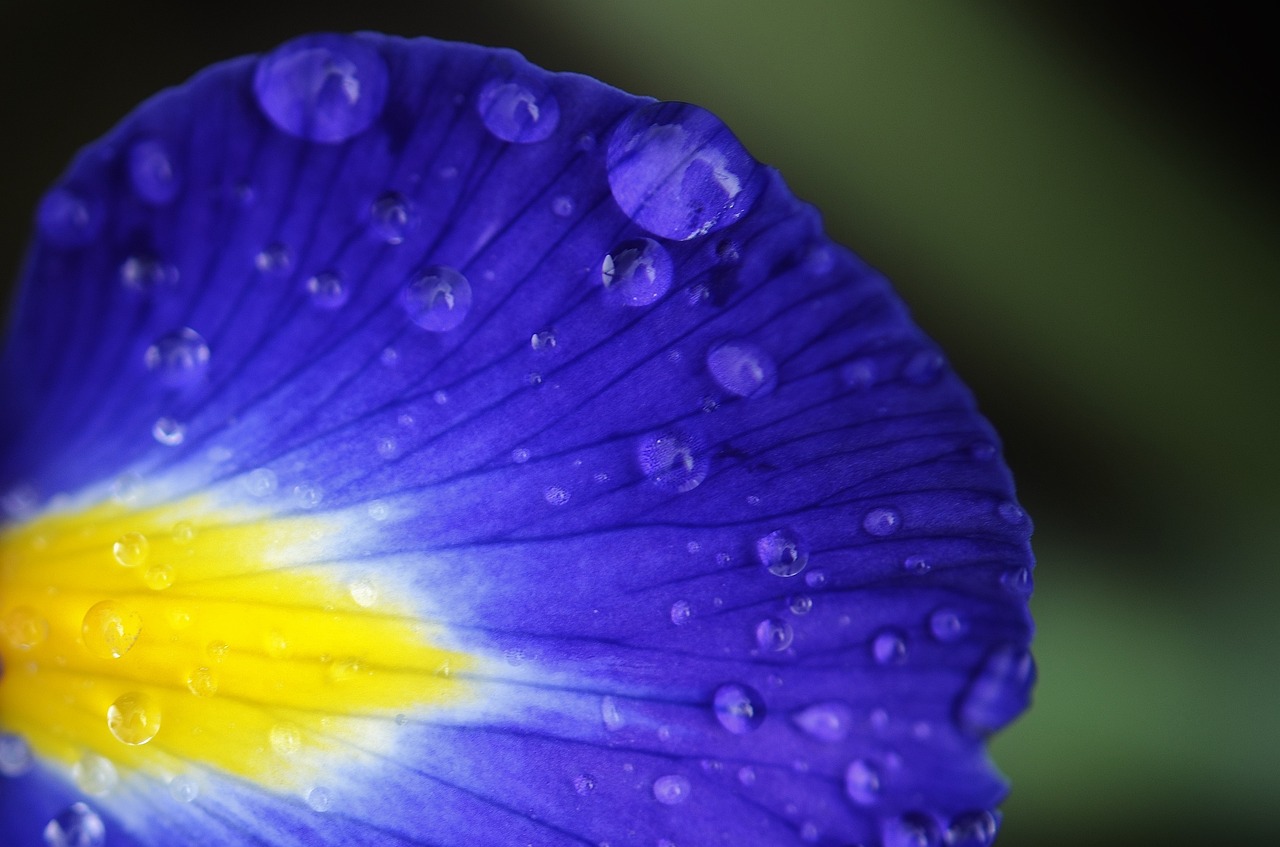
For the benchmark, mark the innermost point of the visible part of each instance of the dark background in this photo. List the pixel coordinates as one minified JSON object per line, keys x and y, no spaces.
{"x":1079,"y":202}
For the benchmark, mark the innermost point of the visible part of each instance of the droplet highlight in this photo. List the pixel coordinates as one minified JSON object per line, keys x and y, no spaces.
{"x":637,"y":272}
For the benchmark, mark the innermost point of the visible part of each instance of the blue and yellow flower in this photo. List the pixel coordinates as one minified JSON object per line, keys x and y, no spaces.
{"x":406,"y":445}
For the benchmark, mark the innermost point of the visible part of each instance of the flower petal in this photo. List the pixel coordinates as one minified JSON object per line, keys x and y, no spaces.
{"x":409,"y":445}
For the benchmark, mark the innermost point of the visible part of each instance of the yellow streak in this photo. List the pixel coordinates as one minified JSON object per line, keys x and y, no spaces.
{"x":252,"y":664}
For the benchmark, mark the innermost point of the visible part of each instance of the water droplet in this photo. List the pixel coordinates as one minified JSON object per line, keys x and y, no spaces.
{"x":1018,"y":581}
{"x":307,"y":496}
{"x":521,"y":111}
{"x":738,"y":707}
{"x":66,"y":219}
{"x":94,"y":775}
{"x":183,"y":532}
{"x":15,"y":755}
{"x":168,"y":432}
{"x":864,"y":782}
{"x":562,"y":206}
{"x":914,"y":829}
{"x":327,"y":290}
{"x":364,"y":593}
{"x":889,"y":647}
{"x":184,"y":789}
{"x":285,"y":738}
{"x":610,"y":713}
{"x":274,"y":260}
{"x":915,"y":564}
{"x":110,"y":628}
{"x":637,"y":272}
{"x":983,"y":451}
{"x":800,"y":605}
{"x":584,"y":784}
{"x":545,"y":340}
{"x":924,"y":367}
{"x":144,"y":274}
{"x":972,"y":829}
{"x":158,"y":577}
{"x":556,"y":496}
{"x":325,"y":88}
{"x":998,"y":692}
{"x":672,"y":789}
{"x":259,"y":482}
{"x":25,"y":628}
{"x":681,"y":612}
{"x":178,"y":358}
{"x":319,"y":799}
{"x":1011,"y":513}
{"x":677,"y":171}
{"x":742,"y":368}
{"x":815,"y":578}
{"x":217,"y":650}
{"x":390,"y":217}
{"x":130,"y":550}
{"x":133,"y":718}
{"x":437,"y":298}
{"x":345,"y":669}
{"x":858,"y":375}
{"x":809,"y":832}
{"x":774,"y":634}
{"x":151,"y":172}
{"x":825,"y":721}
{"x":882,"y":521}
{"x":947,"y":625}
{"x":782,"y":552}
{"x":202,"y":682}
{"x":673,"y":460}
{"x":76,"y":826}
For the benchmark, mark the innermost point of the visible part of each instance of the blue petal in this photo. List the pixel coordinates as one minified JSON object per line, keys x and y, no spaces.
{"x":738,"y":555}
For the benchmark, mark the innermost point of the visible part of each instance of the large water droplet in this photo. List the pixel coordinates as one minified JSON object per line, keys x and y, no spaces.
{"x":110,"y":628}
{"x":522,"y":111}
{"x":999,"y":692}
{"x":972,"y":829}
{"x":782,"y":552}
{"x":742,"y":368}
{"x":637,"y":272}
{"x":677,"y":171}
{"x":882,"y":521}
{"x":774,"y":634}
{"x":76,"y":826}
{"x":914,"y":829}
{"x":133,"y":718}
{"x":178,"y":358}
{"x":864,"y":782}
{"x":390,"y":217}
{"x":437,"y":298}
{"x":673,"y":460}
{"x":323,"y":87}
{"x":672,"y":789}
{"x":151,"y":172}
{"x":828,"y":722}
{"x":66,"y":219}
{"x":739,"y":708}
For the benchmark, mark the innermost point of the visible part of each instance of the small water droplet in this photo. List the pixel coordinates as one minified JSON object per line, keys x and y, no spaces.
{"x":828,"y":722}
{"x":183,"y":532}
{"x":800,"y":604}
{"x":610,"y":713}
{"x":437,"y":298}
{"x":924,"y":367}
{"x":158,"y":577}
{"x":75,"y":826}
{"x":739,"y":708}
{"x":110,"y":629}
{"x":562,"y":206}
{"x":858,"y":375}
{"x":390,"y":217}
{"x":94,"y":775}
{"x":202,"y":682}
{"x":677,"y":171}
{"x":914,"y":829}
{"x":184,"y":789}
{"x":864,"y":782}
{"x":320,"y":799}
{"x":747,"y":775}
{"x":742,"y":368}
{"x":151,"y":172}
{"x":325,"y":87}
{"x":130,"y":550}
{"x":520,"y":111}
{"x":133,"y":718}
{"x":672,"y":789}
{"x":774,"y":634}
{"x":947,"y":625}
{"x":972,"y":829}
{"x":889,"y":647}
{"x":145,"y":274}
{"x":364,"y":593}
{"x":168,"y":432}
{"x":15,"y":755}
{"x":815,"y":578}
{"x":882,"y":521}
{"x":274,"y":260}
{"x":783,"y":552}
{"x":285,"y":738}
{"x":673,"y":460}
{"x":998,"y":692}
{"x":1011,"y":513}
{"x":556,"y":496}
{"x":327,"y":290}
{"x":306,"y":495}
{"x":681,"y":612}
{"x":584,"y":784}
{"x":809,"y":832}
{"x":1018,"y":581}
{"x":983,"y":451}
{"x":25,"y":629}
{"x":637,"y":272}
{"x":915,"y":565}
{"x":545,"y":340}
{"x":178,"y":358}
{"x":65,"y":219}
{"x":260,"y":482}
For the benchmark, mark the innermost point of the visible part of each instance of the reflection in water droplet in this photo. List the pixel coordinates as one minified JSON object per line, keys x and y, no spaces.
{"x":437,"y":298}
{"x":364,"y":593}
{"x":285,"y":739}
{"x":584,"y":784}
{"x":110,"y":629}
{"x":184,"y":789}
{"x":742,"y":368}
{"x":882,"y":521}
{"x":133,"y":718}
{"x":739,"y":708}
{"x":782,"y":552}
{"x":672,"y":789}
{"x":677,"y":171}
{"x":637,"y":272}
{"x":178,"y":358}
{"x":610,"y":713}
{"x":521,"y":111}
{"x":924,"y":367}
{"x":1011,"y":513}
{"x":325,"y":88}
{"x":151,"y":172}
{"x":774,"y":634}
{"x":673,"y":460}
{"x":75,"y":826}
{"x":158,"y":577}
{"x":130,"y":549}
{"x":562,"y":206}
{"x":545,"y":340}
{"x":390,"y":217}
{"x":915,"y":564}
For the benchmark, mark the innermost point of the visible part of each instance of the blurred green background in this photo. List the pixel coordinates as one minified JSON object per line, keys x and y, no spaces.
{"x":1078,"y":201}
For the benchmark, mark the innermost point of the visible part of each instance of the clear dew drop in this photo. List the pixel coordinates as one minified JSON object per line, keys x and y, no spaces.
{"x":681,"y":612}
{"x":914,"y":829}
{"x":637,"y":272}
{"x":326,"y":88}
{"x":947,"y":625}
{"x":202,"y":682}
{"x":133,"y":718}
{"x":274,"y":260}
{"x":800,"y":605}
{"x":815,"y":578}
{"x":544,"y":340}
{"x":158,"y":577}
{"x":110,"y":629}
{"x":972,"y":829}
{"x":178,"y":358}
{"x":677,"y":171}
{"x":75,"y":826}
{"x":889,"y":647}
{"x":66,"y":219}
{"x":562,"y":206}
{"x":882,"y":521}
{"x":327,"y":290}
{"x":742,"y":368}
{"x":168,"y":432}
{"x":782,"y":552}
{"x":145,"y":274}
{"x":364,"y":593}
{"x":774,"y":635}
{"x":916,"y":565}
{"x":184,"y":789}
{"x":520,"y":111}
{"x":320,"y":799}
{"x":15,"y":755}
{"x":437,"y":298}
{"x":94,"y":775}
{"x":584,"y":784}
{"x":24,"y":628}
{"x":151,"y":172}
{"x":390,"y":218}
{"x":998,"y":692}
{"x":739,"y":708}
{"x":864,"y":782}
{"x":130,"y":550}
{"x":672,"y":789}
{"x":673,"y":460}
{"x":828,"y":722}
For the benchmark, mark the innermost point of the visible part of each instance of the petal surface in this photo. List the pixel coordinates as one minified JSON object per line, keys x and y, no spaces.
{"x":406,"y":445}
